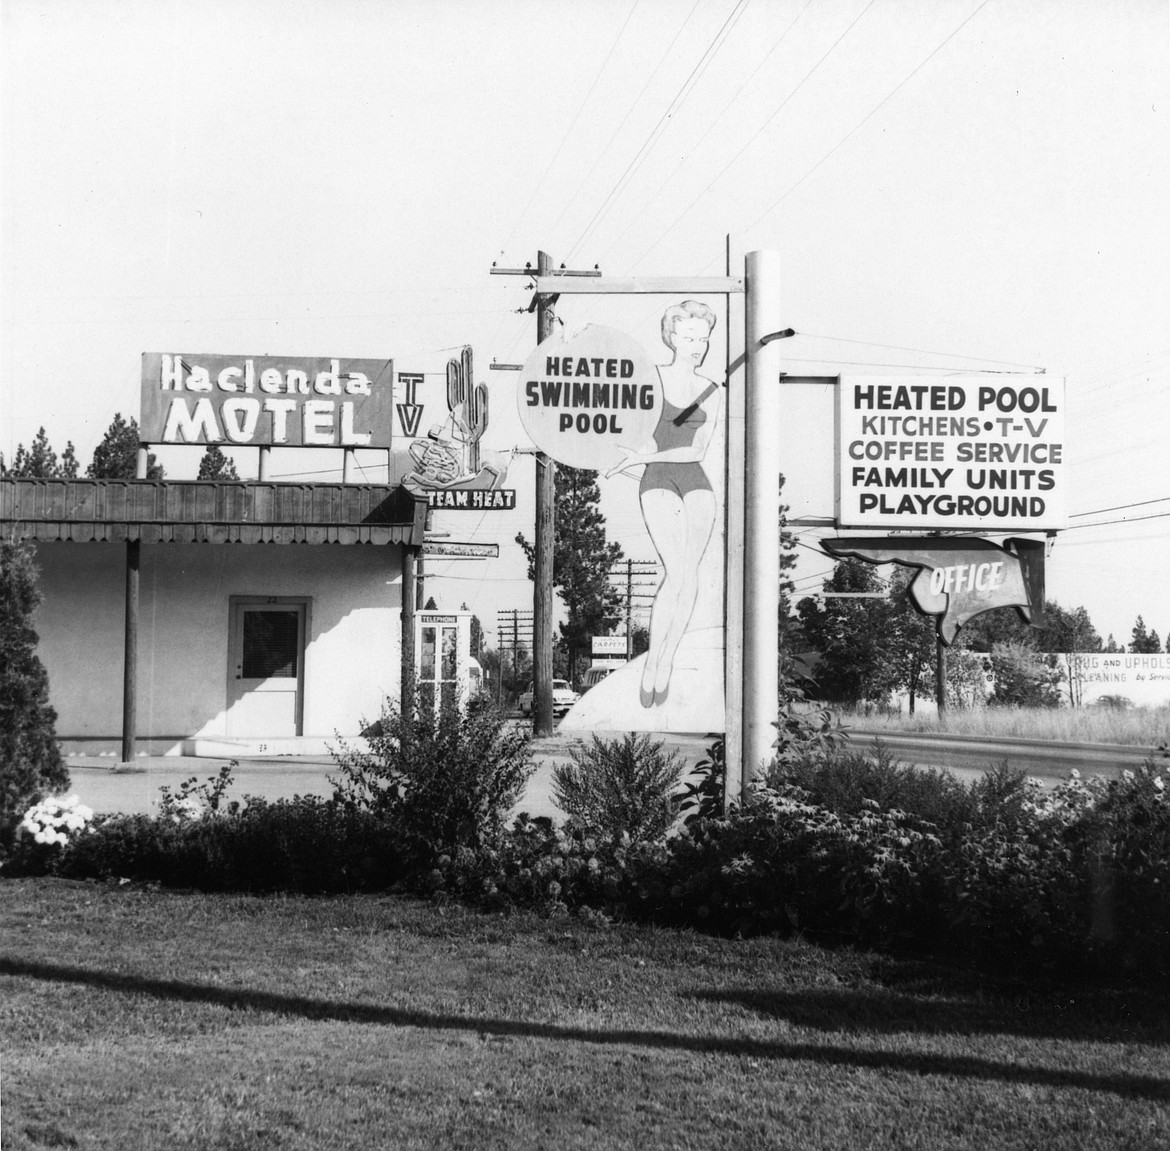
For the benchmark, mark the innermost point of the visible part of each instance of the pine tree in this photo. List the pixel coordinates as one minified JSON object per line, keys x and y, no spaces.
{"x":476,"y":633}
{"x":30,"y":761}
{"x":116,"y":457}
{"x":1144,"y":642}
{"x":40,"y":461}
{"x":214,"y":465}
{"x":582,"y":561}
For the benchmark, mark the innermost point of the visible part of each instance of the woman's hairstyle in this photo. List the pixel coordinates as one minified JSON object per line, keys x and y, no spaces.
{"x":687,"y":310}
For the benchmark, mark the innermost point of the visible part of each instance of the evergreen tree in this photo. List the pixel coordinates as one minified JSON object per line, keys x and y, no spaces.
{"x":30,"y":761}
{"x":40,"y":461}
{"x":116,"y":457}
{"x":1111,"y":644}
{"x":1144,"y":642}
{"x":582,"y":561}
{"x":476,"y":633}
{"x":214,"y":465}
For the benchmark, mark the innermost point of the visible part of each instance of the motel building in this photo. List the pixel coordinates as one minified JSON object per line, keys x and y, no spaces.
{"x":213,"y":617}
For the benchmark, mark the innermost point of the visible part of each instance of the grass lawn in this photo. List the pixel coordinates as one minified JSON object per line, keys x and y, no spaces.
{"x":1145,"y":727}
{"x":135,"y":1018}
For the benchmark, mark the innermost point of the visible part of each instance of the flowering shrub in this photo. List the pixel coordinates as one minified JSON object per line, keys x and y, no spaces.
{"x":781,"y":863}
{"x":56,"y":821}
{"x":194,"y":800}
{"x":47,"y":829}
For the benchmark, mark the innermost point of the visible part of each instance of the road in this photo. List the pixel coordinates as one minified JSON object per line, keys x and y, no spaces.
{"x":969,"y":755}
{"x":137,"y":790}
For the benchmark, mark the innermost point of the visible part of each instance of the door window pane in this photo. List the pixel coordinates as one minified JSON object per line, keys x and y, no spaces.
{"x":427,"y":655}
{"x":271,"y":644}
{"x":450,"y":666}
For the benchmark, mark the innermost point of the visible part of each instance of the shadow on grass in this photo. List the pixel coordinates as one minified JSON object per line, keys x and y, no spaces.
{"x":1140,"y":1019}
{"x":966,"y":1067}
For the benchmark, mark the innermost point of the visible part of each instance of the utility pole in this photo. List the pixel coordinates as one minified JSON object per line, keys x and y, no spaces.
{"x":639,"y":568}
{"x":509,"y":623}
{"x":542,"y":593}
{"x":542,"y":598}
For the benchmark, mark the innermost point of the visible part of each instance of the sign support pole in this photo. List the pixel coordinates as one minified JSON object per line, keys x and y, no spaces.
{"x":761,"y":569}
{"x":542,"y":595}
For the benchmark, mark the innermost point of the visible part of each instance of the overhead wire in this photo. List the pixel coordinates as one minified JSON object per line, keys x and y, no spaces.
{"x":919,"y":351}
{"x":1120,"y":507}
{"x":865,"y":119}
{"x":560,"y":147}
{"x":772,"y":116}
{"x":697,"y":144}
{"x":573,"y":123}
{"x":679,"y":99}
{"x":629,"y":112}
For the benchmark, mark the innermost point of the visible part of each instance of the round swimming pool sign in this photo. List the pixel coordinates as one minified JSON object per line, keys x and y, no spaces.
{"x":590,"y":400}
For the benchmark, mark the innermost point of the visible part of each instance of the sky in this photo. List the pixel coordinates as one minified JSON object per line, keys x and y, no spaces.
{"x":951,"y":185}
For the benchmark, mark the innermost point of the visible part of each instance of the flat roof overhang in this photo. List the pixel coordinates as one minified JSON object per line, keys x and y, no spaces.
{"x":209,"y":511}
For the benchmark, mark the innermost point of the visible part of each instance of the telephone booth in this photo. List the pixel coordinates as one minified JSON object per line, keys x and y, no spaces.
{"x":443,"y":663}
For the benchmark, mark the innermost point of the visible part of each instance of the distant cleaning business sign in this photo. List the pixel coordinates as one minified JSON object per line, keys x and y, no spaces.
{"x":192,"y":398}
{"x":949,"y":452}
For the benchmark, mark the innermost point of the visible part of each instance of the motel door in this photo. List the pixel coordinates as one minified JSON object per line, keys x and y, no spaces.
{"x":266,"y":672}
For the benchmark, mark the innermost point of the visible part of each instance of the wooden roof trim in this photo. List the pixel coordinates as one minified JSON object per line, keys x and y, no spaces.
{"x":209,"y":511}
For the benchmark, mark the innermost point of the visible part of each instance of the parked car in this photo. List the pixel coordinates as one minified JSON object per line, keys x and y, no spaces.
{"x":594,"y":675}
{"x":563,"y":698}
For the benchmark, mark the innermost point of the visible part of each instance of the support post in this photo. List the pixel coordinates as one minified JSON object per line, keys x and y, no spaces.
{"x":542,"y":597}
{"x":265,"y":455}
{"x":406,"y":690}
{"x":733,"y":526}
{"x":130,"y":653}
{"x":761,"y":573}
{"x":940,"y":675}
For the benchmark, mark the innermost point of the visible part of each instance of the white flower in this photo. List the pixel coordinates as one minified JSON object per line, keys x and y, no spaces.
{"x":1158,"y":782}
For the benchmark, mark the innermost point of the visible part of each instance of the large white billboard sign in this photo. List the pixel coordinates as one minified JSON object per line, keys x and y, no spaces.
{"x":949,"y":452}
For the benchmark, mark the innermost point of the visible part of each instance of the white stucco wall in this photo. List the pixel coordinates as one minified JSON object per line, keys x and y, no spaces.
{"x":353,"y":639}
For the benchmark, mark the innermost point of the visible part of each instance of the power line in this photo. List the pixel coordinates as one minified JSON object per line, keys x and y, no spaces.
{"x":780,"y":107}
{"x":861,"y":123}
{"x":629,"y":112}
{"x":573,"y":124}
{"x":680,"y":97}
{"x":1118,"y":508}
{"x":1123,"y":520}
{"x":919,"y":351}
{"x":697,"y":144}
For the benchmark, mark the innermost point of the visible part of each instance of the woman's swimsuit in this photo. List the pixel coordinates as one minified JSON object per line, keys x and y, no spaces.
{"x":679,"y":478}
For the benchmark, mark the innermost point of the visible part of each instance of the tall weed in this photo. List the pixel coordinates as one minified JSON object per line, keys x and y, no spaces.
{"x":445,"y":779}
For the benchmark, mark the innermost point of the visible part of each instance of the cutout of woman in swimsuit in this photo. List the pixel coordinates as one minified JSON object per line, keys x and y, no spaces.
{"x":678,"y":503}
